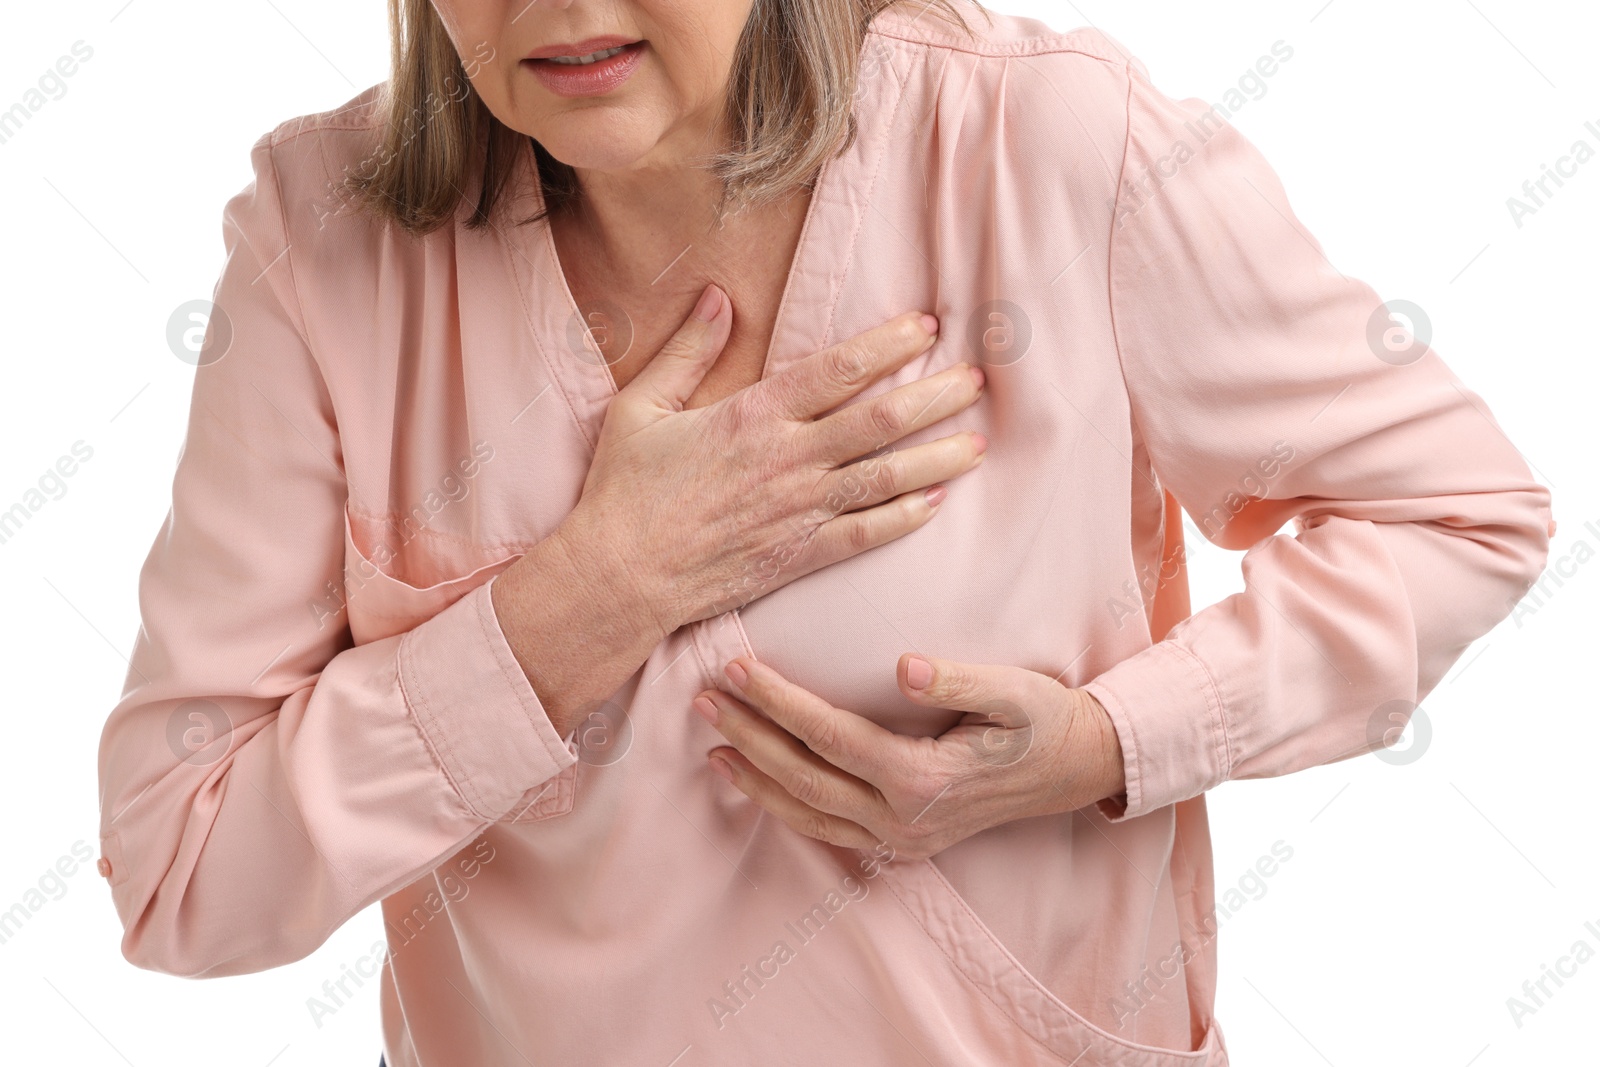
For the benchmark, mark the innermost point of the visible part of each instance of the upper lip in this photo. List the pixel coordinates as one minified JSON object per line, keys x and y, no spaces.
{"x":580,"y":48}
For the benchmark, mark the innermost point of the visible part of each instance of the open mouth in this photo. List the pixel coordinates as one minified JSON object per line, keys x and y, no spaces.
{"x":587,"y":68}
{"x":592,"y":57}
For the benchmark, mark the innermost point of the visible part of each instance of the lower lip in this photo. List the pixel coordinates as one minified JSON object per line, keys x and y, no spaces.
{"x":592,"y":79}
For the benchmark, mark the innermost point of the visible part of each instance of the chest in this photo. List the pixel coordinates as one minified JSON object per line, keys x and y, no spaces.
{"x":631,"y":320}
{"x":1025,"y":558}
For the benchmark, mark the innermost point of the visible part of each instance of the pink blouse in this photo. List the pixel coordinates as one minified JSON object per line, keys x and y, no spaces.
{"x":323,"y":712}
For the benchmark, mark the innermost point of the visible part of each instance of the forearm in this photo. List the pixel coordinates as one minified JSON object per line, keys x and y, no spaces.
{"x":578,"y":624}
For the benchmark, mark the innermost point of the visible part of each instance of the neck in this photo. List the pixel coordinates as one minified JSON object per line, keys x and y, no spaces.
{"x":639,"y":218}
{"x":648,"y":238}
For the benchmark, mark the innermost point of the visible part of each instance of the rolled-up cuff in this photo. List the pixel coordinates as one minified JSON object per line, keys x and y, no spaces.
{"x":470,"y":697}
{"x":1169,"y":718}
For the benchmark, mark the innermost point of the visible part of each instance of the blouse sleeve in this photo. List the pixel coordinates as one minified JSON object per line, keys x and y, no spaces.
{"x":1268,"y":387}
{"x":261,"y":779}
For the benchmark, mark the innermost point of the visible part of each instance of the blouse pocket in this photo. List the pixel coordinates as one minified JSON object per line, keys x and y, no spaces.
{"x":379,"y":605}
{"x":974,"y":951}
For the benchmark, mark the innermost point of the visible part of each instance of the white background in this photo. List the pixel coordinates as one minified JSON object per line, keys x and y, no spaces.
{"x":1418,"y":898}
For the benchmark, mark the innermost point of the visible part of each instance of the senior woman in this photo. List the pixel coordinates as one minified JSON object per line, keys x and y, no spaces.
{"x":682,"y":504}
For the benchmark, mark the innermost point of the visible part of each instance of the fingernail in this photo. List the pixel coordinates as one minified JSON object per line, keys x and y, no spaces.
{"x":707,"y":710}
{"x":979,"y":442}
{"x":978,"y":377}
{"x":930,"y":324}
{"x":919,"y":672}
{"x":710,"y":303}
{"x":720,"y":765}
{"x":737,"y":675}
{"x":935,"y":496}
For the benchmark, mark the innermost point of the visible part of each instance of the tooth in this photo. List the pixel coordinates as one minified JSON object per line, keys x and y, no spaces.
{"x":592,"y":57}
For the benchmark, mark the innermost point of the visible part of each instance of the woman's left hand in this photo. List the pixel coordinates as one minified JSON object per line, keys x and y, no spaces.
{"x":1026,"y":746}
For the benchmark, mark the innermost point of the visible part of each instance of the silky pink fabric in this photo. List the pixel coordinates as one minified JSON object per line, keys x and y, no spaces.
{"x":396,"y":420}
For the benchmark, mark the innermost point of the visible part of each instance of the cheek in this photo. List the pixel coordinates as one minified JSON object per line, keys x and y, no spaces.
{"x":695,"y":41}
{"x":493,"y":67}
{"x":462,"y":21}
{"x":474,"y":30}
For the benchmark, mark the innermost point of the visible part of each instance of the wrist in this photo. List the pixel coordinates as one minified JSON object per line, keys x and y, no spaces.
{"x":1100,"y":773}
{"x":613,"y":576}
{"x":576,"y":628}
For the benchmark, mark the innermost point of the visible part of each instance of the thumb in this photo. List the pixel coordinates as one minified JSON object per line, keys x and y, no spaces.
{"x":683,"y":361}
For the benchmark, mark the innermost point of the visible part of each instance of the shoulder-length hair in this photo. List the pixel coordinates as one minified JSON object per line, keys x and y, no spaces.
{"x":788,"y":106}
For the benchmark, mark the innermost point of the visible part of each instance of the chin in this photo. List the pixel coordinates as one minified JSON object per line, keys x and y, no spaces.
{"x":597,"y":138}
{"x":593,"y":157}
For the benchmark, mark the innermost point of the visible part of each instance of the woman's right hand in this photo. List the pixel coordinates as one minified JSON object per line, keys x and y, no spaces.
{"x":704,"y":509}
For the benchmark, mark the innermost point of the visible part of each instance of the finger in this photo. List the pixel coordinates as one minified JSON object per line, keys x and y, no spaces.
{"x":851,"y":742}
{"x":855,"y":532}
{"x":999,"y":692}
{"x":802,"y":818}
{"x":883,"y":477}
{"x":869,"y":424}
{"x":806,"y":776}
{"x":824,"y":380}
{"x":682,"y":362}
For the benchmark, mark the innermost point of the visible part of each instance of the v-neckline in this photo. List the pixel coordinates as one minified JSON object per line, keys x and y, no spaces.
{"x":552,"y":255}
